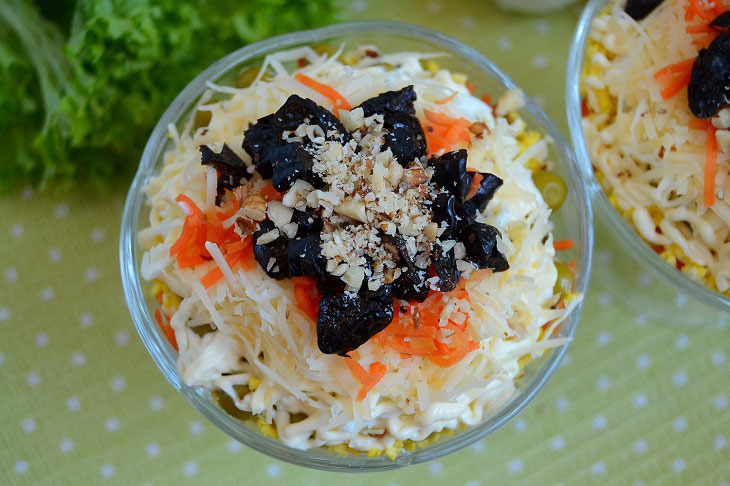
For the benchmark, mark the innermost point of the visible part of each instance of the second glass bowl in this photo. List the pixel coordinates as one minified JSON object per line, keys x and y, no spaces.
{"x":573,"y":221}
{"x":659,"y":290}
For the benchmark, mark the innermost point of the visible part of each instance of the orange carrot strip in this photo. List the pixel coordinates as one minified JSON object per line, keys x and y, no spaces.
{"x":704,"y":41}
{"x":357,"y":370}
{"x":474,"y":185}
{"x":167,"y":330}
{"x":563,"y":245}
{"x":676,"y":86}
{"x":325,"y":90}
{"x":447,"y":99}
{"x":698,"y":29}
{"x":710,"y":165}
{"x":194,"y":209}
{"x":471,"y":87}
{"x":216,"y":273}
{"x":698,"y":124}
{"x":704,"y":14}
{"x":377,"y":372}
{"x":248,"y":260}
{"x":675,"y":68}
{"x":487,"y":99}
{"x":227,"y":212}
{"x":308,"y":283}
{"x":457,"y":353}
{"x":271,"y":194}
{"x":305,"y":303}
{"x":443,"y":119}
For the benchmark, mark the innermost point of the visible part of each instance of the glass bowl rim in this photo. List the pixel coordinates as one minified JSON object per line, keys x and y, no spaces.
{"x":162,"y":353}
{"x":599,"y":199}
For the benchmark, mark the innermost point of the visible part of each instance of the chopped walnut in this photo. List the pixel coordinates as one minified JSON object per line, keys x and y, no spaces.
{"x":253,"y":207}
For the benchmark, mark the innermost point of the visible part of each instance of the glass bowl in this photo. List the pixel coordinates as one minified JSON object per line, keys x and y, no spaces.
{"x":573,"y":221}
{"x":675,"y":297}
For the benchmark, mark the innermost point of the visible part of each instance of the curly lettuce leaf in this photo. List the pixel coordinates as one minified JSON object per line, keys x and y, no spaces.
{"x":98,"y":92}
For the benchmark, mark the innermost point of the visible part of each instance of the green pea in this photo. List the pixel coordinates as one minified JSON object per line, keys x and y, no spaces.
{"x":202,"y":118}
{"x":552,"y":187}
{"x":202,"y":330}
{"x":564,"y":283}
{"x":248,"y":76}
{"x":226,"y":402}
{"x":323,"y":48}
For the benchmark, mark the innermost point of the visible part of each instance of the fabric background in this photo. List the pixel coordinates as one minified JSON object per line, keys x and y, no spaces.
{"x":638,"y":400}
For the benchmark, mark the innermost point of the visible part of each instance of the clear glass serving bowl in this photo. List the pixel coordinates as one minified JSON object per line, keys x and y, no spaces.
{"x":573,"y":221}
{"x":673,"y":296}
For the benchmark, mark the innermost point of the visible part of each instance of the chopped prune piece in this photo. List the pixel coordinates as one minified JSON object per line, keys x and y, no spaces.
{"x":384,"y":292}
{"x":307,"y":222}
{"x":277,"y":249}
{"x":257,"y":139}
{"x":291,"y":162}
{"x":412,"y":285}
{"x":487,"y":187}
{"x":444,"y":211}
{"x":480,"y":241}
{"x":305,"y":257}
{"x":405,"y":137}
{"x":230,"y":167}
{"x":709,"y":86}
{"x":391,"y":102}
{"x":638,"y":9}
{"x":400,"y":244}
{"x":450,"y":173}
{"x":297,"y":110}
{"x":722,"y":21}
{"x":346,"y":321}
{"x":445,"y":265}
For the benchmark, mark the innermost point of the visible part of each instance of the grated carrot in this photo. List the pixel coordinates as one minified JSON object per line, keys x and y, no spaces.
{"x":377,"y":372}
{"x":674,"y":77}
{"x":192,"y":207}
{"x":710,"y":165}
{"x":325,"y":90}
{"x":167,"y":330}
{"x":563,"y":245}
{"x":705,"y":14}
{"x":446,"y":100}
{"x":471,"y":87}
{"x":271,"y":194}
{"x":474,"y":186}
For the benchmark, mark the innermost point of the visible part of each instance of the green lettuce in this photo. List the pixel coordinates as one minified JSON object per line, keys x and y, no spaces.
{"x":82,"y":82}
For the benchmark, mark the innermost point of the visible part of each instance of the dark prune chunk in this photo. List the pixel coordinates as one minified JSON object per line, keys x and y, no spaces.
{"x":291,"y":162}
{"x":307,"y":222}
{"x":405,"y":137}
{"x":305,"y":257}
{"x":444,"y":212}
{"x":346,"y":321}
{"x":450,"y":173}
{"x":400,"y":244}
{"x":384,"y":292}
{"x":722,"y":21}
{"x":230,"y":167}
{"x":709,"y":86}
{"x":257,"y":139}
{"x":412,"y":285}
{"x":638,"y":9}
{"x":480,"y":241}
{"x":276,"y":249}
{"x":391,"y":102}
{"x":445,"y":265}
{"x":487,"y":187}
{"x":297,"y":110}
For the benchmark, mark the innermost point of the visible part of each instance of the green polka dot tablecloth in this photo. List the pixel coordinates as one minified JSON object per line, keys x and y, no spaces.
{"x":638,"y":400}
